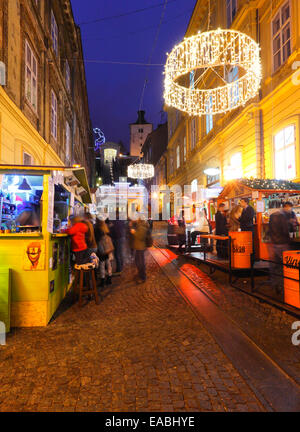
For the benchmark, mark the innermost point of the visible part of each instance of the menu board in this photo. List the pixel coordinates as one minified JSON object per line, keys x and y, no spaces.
{"x":50,"y":206}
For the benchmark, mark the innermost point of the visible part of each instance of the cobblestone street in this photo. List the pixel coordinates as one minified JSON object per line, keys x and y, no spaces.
{"x":141,"y":349}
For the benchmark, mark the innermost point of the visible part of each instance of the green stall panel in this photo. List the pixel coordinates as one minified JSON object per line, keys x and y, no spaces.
{"x":5,"y":297}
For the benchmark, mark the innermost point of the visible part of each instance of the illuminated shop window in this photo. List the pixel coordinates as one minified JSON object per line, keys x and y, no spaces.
{"x":285,"y":154}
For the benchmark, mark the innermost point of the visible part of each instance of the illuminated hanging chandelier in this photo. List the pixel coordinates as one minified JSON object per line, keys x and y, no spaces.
{"x":214,"y":52}
{"x":140,"y":171}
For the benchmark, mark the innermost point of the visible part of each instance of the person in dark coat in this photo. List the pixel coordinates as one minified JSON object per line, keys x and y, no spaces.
{"x":221,"y":230}
{"x":248,"y":214}
{"x":117,"y":234}
{"x":280,"y":242}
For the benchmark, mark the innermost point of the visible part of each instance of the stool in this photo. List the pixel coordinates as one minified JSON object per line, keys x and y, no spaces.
{"x":85,"y":273}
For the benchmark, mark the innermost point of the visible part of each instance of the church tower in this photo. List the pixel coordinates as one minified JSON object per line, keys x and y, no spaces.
{"x":138,"y":133}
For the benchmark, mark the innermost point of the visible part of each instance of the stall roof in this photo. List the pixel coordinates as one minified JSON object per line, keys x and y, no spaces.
{"x":242,"y":187}
{"x":79,"y":173}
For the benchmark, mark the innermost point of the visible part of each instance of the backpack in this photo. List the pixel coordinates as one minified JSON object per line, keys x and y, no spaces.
{"x":105,"y":245}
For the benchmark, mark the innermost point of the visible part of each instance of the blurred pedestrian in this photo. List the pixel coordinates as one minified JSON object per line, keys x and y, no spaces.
{"x":234,"y":218}
{"x":291,"y":217}
{"x":280,"y":242}
{"x":221,"y":230}
{"x":105,"y":250}
{"x":140,"y":233}
{"x":117,"y":233}
{"x":90,"y":235}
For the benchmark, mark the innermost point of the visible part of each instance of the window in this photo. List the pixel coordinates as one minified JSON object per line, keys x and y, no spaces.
{"x":30,"y":76}
{"x":209,"y":117}
{"x":53,"y":115}
{"x":141,"y":130}
{"x":281,"y":36}
{"x":231,"y":8}
{"x":68,"y":76}
{"x":170,"y":128}
{"x":54,"y":33}
{"x":192,"y":80}
{"x":193,"y":133}
{"x":27,"y":159}
{"x":184,"y":149}
{"x":285,"y":153}
{"x":232,"y":76}
{"x":171,"y":164}
{"x":68,"y":142}
{"x":178,"y":157}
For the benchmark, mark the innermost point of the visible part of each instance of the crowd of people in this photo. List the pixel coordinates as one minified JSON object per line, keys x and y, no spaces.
{"x":104,"y":241}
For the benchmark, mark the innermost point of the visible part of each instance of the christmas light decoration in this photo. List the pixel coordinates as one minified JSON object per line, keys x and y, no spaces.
{"x":212,"y":52}
{"x":141,"y":171}
{"x":100,"y":140}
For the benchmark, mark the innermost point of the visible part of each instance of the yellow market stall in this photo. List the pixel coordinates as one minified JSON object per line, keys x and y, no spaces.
{"x":35,"y":203}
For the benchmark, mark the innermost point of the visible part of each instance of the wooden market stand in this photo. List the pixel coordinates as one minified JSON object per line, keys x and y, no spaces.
{"x":37,"y":260}
{"x":258,"y":190}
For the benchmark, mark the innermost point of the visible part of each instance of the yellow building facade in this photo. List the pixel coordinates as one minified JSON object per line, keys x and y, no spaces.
{"x":261,"y":139}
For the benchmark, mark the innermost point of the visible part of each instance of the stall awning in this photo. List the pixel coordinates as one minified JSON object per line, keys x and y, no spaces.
{"x":79,"y":173}
{"x":243,"y":187}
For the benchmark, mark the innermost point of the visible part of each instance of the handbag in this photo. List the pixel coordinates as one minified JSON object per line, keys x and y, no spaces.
{"x":105,"y":245}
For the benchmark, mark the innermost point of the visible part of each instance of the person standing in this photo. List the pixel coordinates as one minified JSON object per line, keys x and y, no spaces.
{"x":280,"y":242}
{"x":234,"y":218}
{"x":117,"y":234}
{"x":101,"y":230}
{"x":247,"y":216}
{"x":140,"y":233}
{"x":90,"y":236}
{"x":221,"y":230}
{"x":291,"y":216}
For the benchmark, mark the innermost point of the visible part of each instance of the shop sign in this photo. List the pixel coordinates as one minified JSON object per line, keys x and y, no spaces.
{"x":260,"y":206}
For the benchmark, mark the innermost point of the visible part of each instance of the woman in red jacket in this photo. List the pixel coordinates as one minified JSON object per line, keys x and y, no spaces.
{"x":79,"y":247}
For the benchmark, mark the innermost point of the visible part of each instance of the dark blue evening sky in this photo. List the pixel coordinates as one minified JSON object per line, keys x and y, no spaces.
{"x":115,"y":90}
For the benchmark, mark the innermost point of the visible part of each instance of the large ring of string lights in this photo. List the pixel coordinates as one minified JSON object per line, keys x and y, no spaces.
{"x":212,"y":51}
{"x":140,"y":171}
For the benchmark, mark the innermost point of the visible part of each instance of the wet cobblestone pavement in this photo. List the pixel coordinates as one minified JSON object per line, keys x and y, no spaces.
{"x":141,"y":349}
{"x":268,"y":327}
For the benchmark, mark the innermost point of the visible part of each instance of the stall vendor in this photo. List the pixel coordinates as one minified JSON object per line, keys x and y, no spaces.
{"x":27,"y":215}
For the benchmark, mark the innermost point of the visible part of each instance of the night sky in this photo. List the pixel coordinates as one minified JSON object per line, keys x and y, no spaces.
{"x":115,"y":89}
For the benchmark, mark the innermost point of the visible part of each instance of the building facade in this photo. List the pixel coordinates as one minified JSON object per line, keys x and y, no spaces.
{"x":138,"y":134}
{"x":260,"y":139}
{"x":44,"y":114}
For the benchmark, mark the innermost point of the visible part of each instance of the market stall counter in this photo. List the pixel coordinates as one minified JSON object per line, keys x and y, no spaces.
{"x":35,"y":203}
